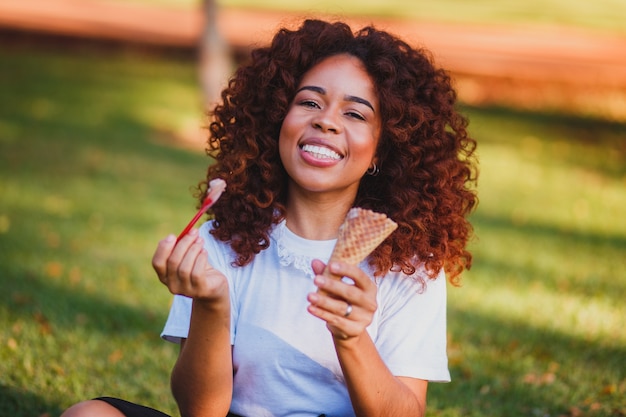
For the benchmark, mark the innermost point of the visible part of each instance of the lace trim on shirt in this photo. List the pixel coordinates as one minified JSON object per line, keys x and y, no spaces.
{"x":288,"y":257}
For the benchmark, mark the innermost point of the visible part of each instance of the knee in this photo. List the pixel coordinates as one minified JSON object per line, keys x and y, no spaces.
{"x":92,"y":408}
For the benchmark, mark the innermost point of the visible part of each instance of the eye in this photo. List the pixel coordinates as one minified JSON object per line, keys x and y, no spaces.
{"x":309,"y":103}
{"x":355,"y":115}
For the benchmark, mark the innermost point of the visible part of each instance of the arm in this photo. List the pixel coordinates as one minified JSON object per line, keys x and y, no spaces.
{"x":202,"y":376}
{"x":374,"y":391}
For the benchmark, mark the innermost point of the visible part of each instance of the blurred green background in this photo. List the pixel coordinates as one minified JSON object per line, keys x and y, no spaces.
{"x":98,"y":154}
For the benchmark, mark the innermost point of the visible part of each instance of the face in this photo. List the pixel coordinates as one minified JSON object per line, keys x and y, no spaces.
{"x":329,"y":136}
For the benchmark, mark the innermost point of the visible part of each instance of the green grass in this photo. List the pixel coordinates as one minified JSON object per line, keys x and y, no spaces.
{"x":538,"y":326}
{"x":90,"y":180}
{"x":88,"y":187}
{"x":599,"y":15}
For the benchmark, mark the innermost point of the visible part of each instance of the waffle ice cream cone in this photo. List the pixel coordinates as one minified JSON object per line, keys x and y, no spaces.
{"x":361,"y":232}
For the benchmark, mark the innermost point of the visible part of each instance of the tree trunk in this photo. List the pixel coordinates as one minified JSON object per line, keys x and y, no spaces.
{"x":215,"y":59}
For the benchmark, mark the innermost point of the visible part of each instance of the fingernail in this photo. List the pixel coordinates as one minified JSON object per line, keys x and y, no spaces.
{"x":170,"y":238}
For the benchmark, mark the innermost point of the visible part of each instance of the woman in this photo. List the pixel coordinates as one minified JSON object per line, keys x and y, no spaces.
{"x":320,"y":121}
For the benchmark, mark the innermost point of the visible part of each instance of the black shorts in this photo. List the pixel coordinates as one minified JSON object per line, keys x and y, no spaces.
{"x":135,"y":410}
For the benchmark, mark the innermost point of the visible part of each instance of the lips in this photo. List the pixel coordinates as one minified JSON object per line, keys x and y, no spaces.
{"x":321,"y":152}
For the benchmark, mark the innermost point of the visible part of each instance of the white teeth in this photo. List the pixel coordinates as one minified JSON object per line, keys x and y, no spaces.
{"x":321,"y":152}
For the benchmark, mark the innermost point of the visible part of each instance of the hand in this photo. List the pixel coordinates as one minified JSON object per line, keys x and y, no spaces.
{"x":184,"y":268}
{"x":346,"y":308}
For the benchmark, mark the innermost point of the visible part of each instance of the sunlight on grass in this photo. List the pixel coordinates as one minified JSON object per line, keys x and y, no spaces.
{"x":88,"y":188}
{"x":571,"y":314}
{"x":565,"y":196}
{"x":542,"y":309}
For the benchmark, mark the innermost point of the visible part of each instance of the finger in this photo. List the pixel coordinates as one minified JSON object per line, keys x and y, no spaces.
{"x":187,"y":263}
{"x":337,"y":289}
{"x":178,"y":253}
{"x":161,"y":255}
{"x":353,"y":272}
{"x":318,"y":266}
{"x":334,"y":306}
{"x":348,"y":311}
{"x":204,"y":278}
{"x":335,"y":315}
{"x":339,"y":325}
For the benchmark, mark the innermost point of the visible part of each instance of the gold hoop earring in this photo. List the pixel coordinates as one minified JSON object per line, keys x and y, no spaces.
{"x":373,"y":171}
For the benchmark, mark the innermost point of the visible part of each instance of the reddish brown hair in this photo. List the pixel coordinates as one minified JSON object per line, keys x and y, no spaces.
{"x":424,"y":154}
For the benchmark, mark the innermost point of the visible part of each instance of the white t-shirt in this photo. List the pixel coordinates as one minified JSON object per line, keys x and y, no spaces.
{"x":284,"y":359}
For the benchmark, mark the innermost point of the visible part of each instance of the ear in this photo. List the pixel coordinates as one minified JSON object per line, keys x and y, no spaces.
{"x":373,"y":168}
{"x":374,"y":161}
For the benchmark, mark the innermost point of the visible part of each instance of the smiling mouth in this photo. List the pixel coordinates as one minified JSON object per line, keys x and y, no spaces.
{"x":320,"y":152}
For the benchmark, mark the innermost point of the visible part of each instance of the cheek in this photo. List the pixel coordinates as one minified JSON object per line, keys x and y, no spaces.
{"x":288,"y":128}
{"x":366,"y":145}
{"x":285,"y":139}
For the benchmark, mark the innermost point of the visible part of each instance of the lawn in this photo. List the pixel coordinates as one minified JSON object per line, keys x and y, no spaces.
{"x":91,"y":177}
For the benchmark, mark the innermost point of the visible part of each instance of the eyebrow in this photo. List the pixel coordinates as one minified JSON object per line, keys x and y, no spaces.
{"x":354,"y":99}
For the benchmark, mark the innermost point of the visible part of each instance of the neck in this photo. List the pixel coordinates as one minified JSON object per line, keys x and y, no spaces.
{"x":317,"y":217}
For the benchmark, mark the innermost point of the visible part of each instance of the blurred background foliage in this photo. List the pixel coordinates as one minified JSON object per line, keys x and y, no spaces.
{"x":600,"y":15}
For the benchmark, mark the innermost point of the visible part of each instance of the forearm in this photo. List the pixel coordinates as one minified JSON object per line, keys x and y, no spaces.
{"x":374,"y":391}
{"x":202,"y":377}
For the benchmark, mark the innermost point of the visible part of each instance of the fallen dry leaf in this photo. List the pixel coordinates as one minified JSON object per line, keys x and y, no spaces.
{"x":116,"y":356}
{"x":54,"y":269}
{"x":44,"y":324}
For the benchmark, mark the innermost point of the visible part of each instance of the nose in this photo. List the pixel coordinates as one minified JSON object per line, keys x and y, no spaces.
{"x":328,"y":120}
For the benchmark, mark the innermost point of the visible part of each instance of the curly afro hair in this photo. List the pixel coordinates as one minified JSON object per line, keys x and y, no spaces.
{"x":427,"y":160}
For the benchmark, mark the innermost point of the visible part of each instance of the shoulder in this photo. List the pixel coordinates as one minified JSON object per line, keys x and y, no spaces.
{"x":417,"y":283}
{"x":399,"y":290}
{"x":221,"y":255}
